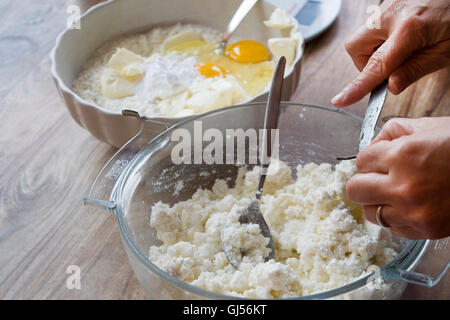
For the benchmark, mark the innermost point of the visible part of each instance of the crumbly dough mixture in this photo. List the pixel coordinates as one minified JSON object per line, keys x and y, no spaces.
{"x":322,"y":240}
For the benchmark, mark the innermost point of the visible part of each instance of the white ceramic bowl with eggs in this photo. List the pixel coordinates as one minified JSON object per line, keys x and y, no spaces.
{"x":112,"y":19}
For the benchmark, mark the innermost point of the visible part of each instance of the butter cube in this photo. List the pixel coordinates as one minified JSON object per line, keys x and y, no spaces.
{"x":127,"y":63}
{"x":221,"y":92}
{"x":115,"y":87}
{"x":279,"y":19}
{"x":283,"y":47}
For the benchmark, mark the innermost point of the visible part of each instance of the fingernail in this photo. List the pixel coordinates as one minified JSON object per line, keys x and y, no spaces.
{"x":338,"y":98}
{"x":395,"y":84}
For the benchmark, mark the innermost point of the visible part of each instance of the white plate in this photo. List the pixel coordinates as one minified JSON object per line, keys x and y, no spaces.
{"x":314,"y":16}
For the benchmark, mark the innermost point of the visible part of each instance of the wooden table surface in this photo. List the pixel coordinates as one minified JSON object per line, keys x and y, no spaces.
{"x":48,"y":162}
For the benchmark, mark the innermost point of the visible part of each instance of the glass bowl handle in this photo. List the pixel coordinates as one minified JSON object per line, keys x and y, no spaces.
{"x":100,"y":193}
{"x":438,"y":247}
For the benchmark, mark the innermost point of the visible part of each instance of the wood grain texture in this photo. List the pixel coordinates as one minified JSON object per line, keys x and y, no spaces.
{"x":48,"y":163}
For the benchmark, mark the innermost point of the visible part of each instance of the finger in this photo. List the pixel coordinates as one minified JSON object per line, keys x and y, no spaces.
{"x":394,"y":129}
{"x":363,"y":44}
{"x":381,"y":64}
{"x":368,"y":188}
{"x":389,"y":215}
{"x":419,"y":65}
{"x":408,"y":233}
{"x":372,"y":159}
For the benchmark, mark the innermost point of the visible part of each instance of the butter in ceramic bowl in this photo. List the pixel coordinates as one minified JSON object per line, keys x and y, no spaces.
{"x":88,"y":103}
{"x":174,"y":70}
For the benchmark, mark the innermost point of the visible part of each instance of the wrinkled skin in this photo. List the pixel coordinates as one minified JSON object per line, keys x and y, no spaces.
{"x":413,"y":40}
{"x":407,"y":168}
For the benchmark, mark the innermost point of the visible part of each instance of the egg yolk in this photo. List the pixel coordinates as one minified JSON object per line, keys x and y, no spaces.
{"x":246,"y":51}
{"x":253,"y":77}
{"x":210,"y":70}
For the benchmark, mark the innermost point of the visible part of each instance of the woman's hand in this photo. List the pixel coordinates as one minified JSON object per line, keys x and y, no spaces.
{"x":413,"y":40}
{"x":407,"y":169}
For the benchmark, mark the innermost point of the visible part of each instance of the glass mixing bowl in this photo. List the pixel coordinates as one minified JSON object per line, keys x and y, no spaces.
{"x":142,"y":173}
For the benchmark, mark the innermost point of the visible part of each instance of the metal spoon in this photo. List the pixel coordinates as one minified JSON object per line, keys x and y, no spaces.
{"x":238,"y":16}
{"x":252,"y":214}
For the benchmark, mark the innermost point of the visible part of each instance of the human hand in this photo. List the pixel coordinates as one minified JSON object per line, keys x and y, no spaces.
{"x":407,"y":169}
{"x":413,"y":41}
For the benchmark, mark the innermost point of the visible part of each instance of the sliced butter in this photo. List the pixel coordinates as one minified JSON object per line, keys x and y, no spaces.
{"x":279,"y":19}
{"x":174,"y":106}
{"x":127,"y":64}
{"x":221,"y":92}
{"x":283,"y":47}
{"x":115,"y":87}
{"x":179,"y":38}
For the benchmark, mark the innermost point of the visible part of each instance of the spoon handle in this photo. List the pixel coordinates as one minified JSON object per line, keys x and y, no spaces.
{"x":239,"y":15}
{"x":270,"y":121}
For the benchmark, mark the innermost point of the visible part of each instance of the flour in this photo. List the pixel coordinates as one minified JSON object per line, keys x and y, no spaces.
{"x":164,"y":89}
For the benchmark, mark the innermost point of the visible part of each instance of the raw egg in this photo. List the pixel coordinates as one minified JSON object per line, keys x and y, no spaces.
{"x":210,"y":70}
{"x":248,"y":51}
{"x":253,"y":77}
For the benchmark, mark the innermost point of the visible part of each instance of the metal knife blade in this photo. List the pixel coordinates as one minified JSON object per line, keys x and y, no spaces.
{"x":376,"y":102}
